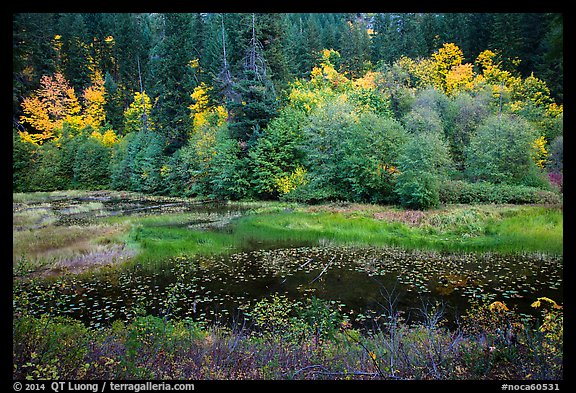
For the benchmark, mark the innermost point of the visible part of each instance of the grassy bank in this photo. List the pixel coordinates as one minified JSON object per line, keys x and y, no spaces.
{"x":506,"y":229}
{"x":281,"y":339}
{"x":40,"y":239}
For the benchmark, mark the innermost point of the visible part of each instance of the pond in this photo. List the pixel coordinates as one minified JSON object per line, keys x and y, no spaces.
{"x":361,"y":282}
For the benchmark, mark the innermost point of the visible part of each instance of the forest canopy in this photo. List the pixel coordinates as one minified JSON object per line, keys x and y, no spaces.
{"x":415,"y":109}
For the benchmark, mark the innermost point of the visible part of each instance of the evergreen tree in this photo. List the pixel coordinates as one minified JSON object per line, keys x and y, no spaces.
{"x":128,"y":48}
{"x":114,"y":103}
{"x":312,"y":41}
{"x":256,"y":103}
{"x":33,"y":55}
{"x":271,"y":32}
{"x":381,"y":41}
{"x":213,"y":62}
{"x":355,"y":48}
{"x":550,"y":64}
{"x":299,"y":64}
{"x":429,"y":33}
{"x":173,"y":79}
{"x":73,"y":50}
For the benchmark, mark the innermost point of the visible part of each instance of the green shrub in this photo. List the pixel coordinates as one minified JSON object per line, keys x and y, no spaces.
{"x":501,"y":151}
{"x":121,"y":163}
{"x":349,"y":154}
{"x":91,"y":164}
{"x":137,"y":162}
{"x":418,"y":190}
{"x":23,"y":154}
{"x":49,"y":348}
{"x":458,"y":191}
{"x":48,"y":173}
{"x":423,"y":162}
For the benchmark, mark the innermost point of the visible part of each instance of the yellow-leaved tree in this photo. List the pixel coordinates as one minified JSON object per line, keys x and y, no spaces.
{"x":206,"y":120}
{"x":444,"y":60}
{"x":94,"y":100}
{"x":48,"y":108}
{"x":55,"y":103}
{"x":137,"y":115}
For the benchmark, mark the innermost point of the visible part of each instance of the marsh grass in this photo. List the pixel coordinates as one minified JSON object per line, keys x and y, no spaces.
{"x":526,"y":228}
{"x":53,"y":245}
{"x":156,"y":244}
{"x":36,"y":217}
{"x":84,"y":208}
{"x":42,"y":196}
{"x":155,"y":237}
{"x":519,"y":230}
{"x":506,"y":229}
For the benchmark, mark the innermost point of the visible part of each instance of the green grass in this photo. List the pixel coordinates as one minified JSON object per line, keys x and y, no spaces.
{"x":530,"y":229}
{"x":157,"y":237}
{"x":494,"y":229}
{"x":155,"y":244}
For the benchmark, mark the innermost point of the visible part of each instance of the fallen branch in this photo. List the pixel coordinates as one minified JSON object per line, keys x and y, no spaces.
{"x":325,"y":268}
{"x":306,"y":263}
{"x":324,"y":371}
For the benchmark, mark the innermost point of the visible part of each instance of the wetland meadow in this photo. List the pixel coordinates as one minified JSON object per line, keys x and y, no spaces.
{"x":288,"y":196}
{"x":110,"y":284}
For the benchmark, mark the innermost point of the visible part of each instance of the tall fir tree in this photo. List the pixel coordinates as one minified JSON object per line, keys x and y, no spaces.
{"x":256,"y":103}
{"x":33,"y":55}
{"x":73,"y":50}
{"x":173,"y":79}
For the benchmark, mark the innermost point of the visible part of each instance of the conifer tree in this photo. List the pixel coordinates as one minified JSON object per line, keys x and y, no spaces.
{"x":173,"y":78}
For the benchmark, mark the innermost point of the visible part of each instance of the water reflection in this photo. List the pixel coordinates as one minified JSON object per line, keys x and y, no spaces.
{"x":219,"y":288}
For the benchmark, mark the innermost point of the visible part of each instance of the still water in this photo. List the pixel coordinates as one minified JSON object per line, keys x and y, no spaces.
{"x":362,"y":283}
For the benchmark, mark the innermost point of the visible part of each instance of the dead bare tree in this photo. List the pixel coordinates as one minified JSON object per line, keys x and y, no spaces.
{"x":254,"y":61}
{"x":144,"y":116}
{"x":225,"y":77}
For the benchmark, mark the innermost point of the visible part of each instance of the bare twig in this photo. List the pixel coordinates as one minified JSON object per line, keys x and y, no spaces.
{"x":306,"y":263}
{"x":324,"y":371}
{"x":325,"y":268}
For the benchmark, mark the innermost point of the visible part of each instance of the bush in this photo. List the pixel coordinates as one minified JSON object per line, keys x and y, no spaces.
{"x":423,"y":119}
{"x":228,"y":173}
{"x":556,"y":155}
{"x":137,"y":162}
{"x":91,"y":164}
{"x":146,"y":176}
{"x":49,"y":348}
{"x":23,"y":154}
{"x":423,"y":162}
{"x":48,"y":173}
{"x":121,"y":164}
{"x":276,"y":153}
{"x":464,"y":114}
{"x":458,"y":191}
{"x":350,"y":154}
{"x":501,"y":151}
{"x":556,"y":179}
{"x":418,"y":190}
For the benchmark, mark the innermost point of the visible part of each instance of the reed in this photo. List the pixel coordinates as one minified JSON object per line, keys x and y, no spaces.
{"x":503,"y":229}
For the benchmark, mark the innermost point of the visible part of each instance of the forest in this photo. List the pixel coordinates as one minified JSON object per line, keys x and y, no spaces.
{"x":411,"y":109}
{"x":287,"y":196}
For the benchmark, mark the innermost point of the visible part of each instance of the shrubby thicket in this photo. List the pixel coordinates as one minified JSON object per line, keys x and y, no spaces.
{"x":332,"y":125}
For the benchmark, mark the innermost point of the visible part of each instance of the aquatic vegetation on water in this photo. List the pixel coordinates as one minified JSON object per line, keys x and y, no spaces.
{"x":284,"y":276}
{"x":210,"y":288}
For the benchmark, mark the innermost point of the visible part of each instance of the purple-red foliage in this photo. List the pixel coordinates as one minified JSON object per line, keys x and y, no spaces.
{"x":556,"y":179}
